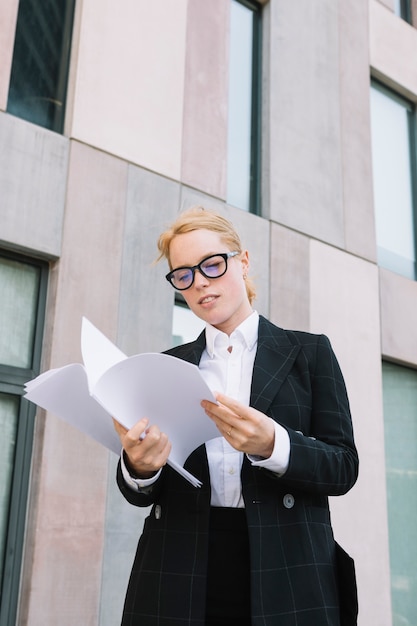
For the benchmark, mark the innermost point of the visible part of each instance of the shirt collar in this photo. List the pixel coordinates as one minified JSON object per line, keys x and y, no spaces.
{"x":247,"y":331}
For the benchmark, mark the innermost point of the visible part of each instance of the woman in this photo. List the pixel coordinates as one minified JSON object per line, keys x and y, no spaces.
{"x":254,"y":545}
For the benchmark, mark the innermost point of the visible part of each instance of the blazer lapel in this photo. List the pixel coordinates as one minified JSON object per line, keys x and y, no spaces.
{"x":274,"y":359}
{"x":192,"y":351}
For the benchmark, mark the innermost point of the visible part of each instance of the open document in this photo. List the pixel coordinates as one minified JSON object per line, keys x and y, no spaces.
{"x":166,"y":390}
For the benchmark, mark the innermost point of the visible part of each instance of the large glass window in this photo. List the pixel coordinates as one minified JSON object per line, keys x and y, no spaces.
{"x":400,"y":421}
{"x":23,"y":292}
{"x":38,"y":81}
{"x":243,"y":155}
{"x":402,"y":8}
{"x":394,"y":171}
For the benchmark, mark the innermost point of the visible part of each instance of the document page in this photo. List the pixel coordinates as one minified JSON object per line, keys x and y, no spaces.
{"x":166,"y":390}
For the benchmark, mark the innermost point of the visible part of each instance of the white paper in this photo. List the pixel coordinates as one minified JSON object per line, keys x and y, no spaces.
{"x":98,"y":352}
{"x":64,"y":392}
{"x":166,"y":390}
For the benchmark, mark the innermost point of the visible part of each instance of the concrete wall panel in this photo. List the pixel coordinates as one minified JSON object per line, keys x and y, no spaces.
{"x":355,"y":129}
{"x":393,"y":41}
{"x":254,"y":233}
{"x":388,"y":3}
{"x":193,"y":197}
{"x":128,"y":97}
{"x":290,"y":278}
{"x":305,"y":178}
{"x":398,"y":318}
{"x":204,"y":147}
{"x":344,"y":304}
{"x":33,"y":173}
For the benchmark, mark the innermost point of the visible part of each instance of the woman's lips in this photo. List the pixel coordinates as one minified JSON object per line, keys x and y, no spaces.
{"x":207,"y":299}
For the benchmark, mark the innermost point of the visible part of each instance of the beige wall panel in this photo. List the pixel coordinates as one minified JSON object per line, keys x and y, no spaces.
{"x":33,"y":171}
{"x":305,"y":178}
{"x":355,"y":124}
{"x":392,"y":41}
{"x":8,"y":17}
{"x":290,"y":279}
{"x":344,"y":304}
{"x":71,"y":469}
{"x":398,"y":318}
{"x":204,"y":146}
{"x":129,"y":85}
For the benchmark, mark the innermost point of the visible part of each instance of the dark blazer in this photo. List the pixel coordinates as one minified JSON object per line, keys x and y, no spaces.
{"x":297,"y":570}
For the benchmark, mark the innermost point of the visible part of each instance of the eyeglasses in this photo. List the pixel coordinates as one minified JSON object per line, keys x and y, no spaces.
{"x":212,"y":266}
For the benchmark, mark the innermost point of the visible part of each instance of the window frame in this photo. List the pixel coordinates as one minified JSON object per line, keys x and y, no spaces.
{"x":405,"y":11}
{"x":412,"y":143}
{"x":256,"y":107}
{"x":388,"y":374}
{"x":56,"y":121}
{"x":12,"y":380}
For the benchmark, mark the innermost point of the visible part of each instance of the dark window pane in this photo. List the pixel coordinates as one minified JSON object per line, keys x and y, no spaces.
{"x":243,"y":106}
{"x":23,"y":284}
{"x":9,"y":408}
{"x":19,"y":286}
{"x":39,"y":74}
{"x":400,"y":425}
{"x":402,"y":8}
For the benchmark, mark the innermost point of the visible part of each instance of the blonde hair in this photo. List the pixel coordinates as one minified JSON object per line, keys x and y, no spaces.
{"x":198,"y":218}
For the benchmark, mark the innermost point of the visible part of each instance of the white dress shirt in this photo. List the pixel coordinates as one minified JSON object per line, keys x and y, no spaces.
{"x":227,"y":366}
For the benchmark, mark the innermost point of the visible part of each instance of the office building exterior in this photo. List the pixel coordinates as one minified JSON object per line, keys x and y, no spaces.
{"x":297,"y":121}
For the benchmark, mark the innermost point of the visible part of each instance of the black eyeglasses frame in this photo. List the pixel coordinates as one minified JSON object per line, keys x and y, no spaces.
{"x":224,"y":255}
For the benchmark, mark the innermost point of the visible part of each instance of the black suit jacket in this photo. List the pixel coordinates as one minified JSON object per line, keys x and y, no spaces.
{"x":299,"y":576}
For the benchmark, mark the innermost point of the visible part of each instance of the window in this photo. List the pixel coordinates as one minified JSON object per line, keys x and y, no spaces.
{"x":38,"y":81}
{"x":402,"y":8}
{"x":393,"y":155}
{"x":400,"y":422}
{"x":185,"y":325}
{"x":243,"y":152}
{"x":23,"y":291}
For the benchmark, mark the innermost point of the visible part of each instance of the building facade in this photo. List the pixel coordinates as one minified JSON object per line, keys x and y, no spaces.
{"x":294,"y":119}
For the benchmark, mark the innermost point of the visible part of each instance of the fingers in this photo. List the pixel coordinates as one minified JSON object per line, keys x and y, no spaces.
{"x":225,"y":415}
{"x":235,"y":407}
{"x":121,"y":430}
{"x":226,"y":412}
{"x":147,"y":448}
{"x":136,"y":434}
{"x":245,"y":428}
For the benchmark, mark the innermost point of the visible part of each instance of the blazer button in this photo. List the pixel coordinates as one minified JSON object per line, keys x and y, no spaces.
{"x":288,"y":501}
{"x":158,"y":511}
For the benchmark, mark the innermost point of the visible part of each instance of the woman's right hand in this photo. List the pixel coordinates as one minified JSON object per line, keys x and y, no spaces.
{"x":146,"y":448}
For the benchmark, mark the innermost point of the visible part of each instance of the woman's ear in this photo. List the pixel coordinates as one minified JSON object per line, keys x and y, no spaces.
{"x":245,"y":263}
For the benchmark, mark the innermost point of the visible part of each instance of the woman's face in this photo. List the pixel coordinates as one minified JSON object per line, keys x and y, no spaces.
{"x":223,"y":301}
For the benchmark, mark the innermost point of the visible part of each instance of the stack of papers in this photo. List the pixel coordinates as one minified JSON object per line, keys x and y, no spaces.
{"x":166,"y":390}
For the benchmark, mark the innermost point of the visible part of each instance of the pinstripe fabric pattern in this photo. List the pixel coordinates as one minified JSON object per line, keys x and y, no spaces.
{"x":297,"y":381}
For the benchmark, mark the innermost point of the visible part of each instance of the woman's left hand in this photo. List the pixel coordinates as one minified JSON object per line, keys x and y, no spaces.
{"x":245,"y":428}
